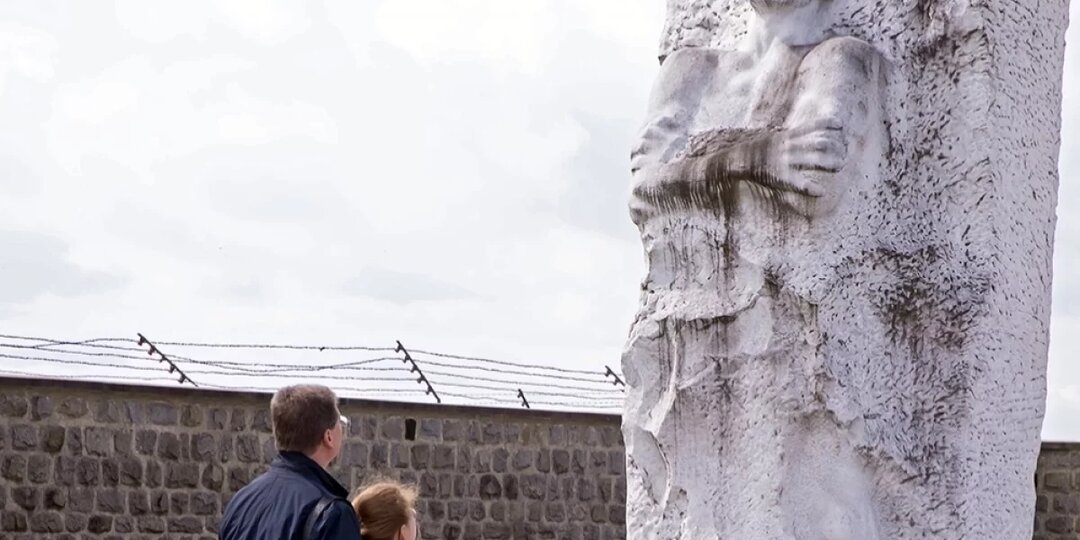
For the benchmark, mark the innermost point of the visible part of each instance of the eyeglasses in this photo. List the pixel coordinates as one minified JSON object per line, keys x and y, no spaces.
{"x":344,"y":421}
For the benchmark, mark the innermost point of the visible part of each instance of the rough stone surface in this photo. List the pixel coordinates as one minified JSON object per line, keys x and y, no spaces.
{"x":136,"y":464}
{"x":831,"y":197}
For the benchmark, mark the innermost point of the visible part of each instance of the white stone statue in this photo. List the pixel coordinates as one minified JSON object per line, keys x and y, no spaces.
{"x":812,"y":342}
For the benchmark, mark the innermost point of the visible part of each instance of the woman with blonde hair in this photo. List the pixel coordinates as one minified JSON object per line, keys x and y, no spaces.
{"x":387,"y":511}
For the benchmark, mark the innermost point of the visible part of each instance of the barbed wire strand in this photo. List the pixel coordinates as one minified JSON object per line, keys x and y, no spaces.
{"x":97,"y":343}
{"x":514,"y":384}
{"x":277,"y":346}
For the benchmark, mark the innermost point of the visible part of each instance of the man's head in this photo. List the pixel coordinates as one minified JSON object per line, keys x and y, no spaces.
{"x":306,"y":419}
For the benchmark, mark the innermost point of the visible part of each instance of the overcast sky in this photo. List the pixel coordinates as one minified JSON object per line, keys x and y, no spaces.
{"x":450,"y":173}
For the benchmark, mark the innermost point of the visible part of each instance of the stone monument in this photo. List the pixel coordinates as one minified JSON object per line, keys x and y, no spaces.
{"x":847,"y":210}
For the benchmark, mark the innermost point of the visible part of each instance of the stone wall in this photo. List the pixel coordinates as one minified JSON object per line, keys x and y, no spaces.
{"x":1058,"y":485}
{"x":89,"y":460}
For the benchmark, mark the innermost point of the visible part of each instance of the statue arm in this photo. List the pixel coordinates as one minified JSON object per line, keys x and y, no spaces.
{"x":838,"y":86}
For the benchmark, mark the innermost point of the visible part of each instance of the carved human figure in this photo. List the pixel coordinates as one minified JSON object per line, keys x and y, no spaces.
{"x":746,"y":157}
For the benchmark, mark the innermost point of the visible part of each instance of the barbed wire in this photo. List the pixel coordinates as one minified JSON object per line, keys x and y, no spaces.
{"x":458,"y":371}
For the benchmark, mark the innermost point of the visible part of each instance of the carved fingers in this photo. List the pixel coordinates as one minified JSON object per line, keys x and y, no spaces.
{"x":819,"y":146}
{"x":653,"y":141}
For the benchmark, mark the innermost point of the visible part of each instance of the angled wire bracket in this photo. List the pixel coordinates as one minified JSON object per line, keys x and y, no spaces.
{"x":611,"y":373}
{"x":416,"y":369}
{"x":173,"y":368}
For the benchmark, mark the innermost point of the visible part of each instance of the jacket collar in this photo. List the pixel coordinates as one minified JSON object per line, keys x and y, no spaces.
{"x":300,"y":463}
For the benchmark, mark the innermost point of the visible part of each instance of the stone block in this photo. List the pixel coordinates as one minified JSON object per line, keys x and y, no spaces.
{"x":55,"y":498}
{"x":74,"y":523}
{"x":217,"y":419}
{"x":100,"y":524}
{"x":155,"y":474}
{"x":169,"y":446}
{"x":457,"y":510}
{"x":560,"y":461}
{"x":81,"y":500}
{"x":185,"y":524}
{"x":123,"y":442}
{"x":182,"y":475}
{"x":247,"y":448}
{"x":238,"y":420}
{"x":124,"y":524}
{"x":46,"y":522}
{"x":430,"y":429}
{"x":523,"y":459}
{"x":191,"y":416}
{"x":73,"y":441}
{"x":41,"y":407}
{"x":108,"y":411}
{"x":443,"y":457}
{"x":617,"y":514}
{"x":159,"y":502}
{"x":1056,"y":482}
{"x":204,"y":503}
{"x":557,"y":436}
{"x":489,"y":487}
{"x":13,"y":468}
{"x":145,"y":441}
{"x":88,"y":472}
{"x":178,"y":503}
{"x":24,"y":437}
{"x":151,"y":524}
{"x":138,"y":503}
{"x":534,"y":486}
{"x":203,"y":446}
{"x":493,"y":433}
{"x":38,"y":468}
{"x":580,"y":462}
{"x":262,"y":422}
{"x":238,"y":477}
{"x":13,"y":521}
{"x":453,"y":430}
{"x":428,"y":485}
{"x":26,"y":497}
{"x":110,"y":501}
{"x":131,"y":471}
{"x":393,"y":428}
{"x":110,"y":472}
{"x":555,"y":512}
{"x":98,"y":441}
{"x":73,"y":407}
{"x":500,"y":457}
{"x":511,"y":489}
{"x":213,"y":477}
{"x":477,"y":512}
{"x":379,"y":457}
{"x":13,"y":406}
{"x":161,"y":413}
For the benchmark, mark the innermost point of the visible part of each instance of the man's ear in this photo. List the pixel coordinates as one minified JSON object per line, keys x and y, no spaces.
{"x":328,"y":437}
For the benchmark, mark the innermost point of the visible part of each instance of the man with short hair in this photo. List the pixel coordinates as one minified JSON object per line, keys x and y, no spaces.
{"x":297,"y":499}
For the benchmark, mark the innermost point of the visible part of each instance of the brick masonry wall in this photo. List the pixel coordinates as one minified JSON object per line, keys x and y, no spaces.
{"x":1057,"y":508}
{"x":88,"y":460}
{"x":97,"y":461}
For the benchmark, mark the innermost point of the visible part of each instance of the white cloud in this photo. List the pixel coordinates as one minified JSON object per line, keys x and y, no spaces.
{"x":284,"y":171}
{"x":267,"y":22}
{"x":25,"y":51}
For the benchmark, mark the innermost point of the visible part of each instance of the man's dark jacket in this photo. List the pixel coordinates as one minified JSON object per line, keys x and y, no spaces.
{"x":276,"y":505}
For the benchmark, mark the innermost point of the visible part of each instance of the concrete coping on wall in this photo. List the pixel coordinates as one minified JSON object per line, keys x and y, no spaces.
{"x":394,"y":407}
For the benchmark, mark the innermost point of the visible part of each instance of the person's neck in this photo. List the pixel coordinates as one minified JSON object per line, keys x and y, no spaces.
{"x":321,"y":457}
{"x":799,"y":27}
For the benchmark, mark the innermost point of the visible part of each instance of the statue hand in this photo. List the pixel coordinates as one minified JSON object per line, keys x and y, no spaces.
{"x":816,"y":147}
